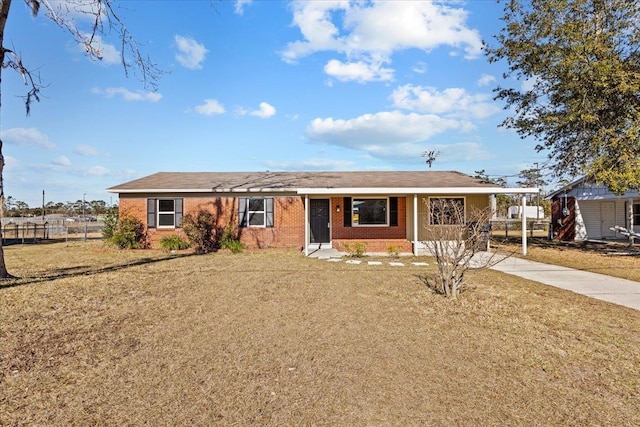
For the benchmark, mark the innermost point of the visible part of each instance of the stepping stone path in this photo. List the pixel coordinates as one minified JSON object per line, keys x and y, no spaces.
{"x":391,"y":263}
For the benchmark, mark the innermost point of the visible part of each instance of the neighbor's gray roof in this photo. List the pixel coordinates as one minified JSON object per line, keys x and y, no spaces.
{"x":292,"y":181}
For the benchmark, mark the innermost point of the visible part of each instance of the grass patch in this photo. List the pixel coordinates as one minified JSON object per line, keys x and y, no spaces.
{"x":594,"y":257}
{"x":94,"y":336}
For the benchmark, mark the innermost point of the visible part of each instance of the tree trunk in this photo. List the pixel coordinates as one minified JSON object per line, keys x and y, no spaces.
{"x":4,"y":14}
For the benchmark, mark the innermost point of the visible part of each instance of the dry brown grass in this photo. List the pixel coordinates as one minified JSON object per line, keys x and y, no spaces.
{"x":92,"y":336}
{"x":594,"y":257}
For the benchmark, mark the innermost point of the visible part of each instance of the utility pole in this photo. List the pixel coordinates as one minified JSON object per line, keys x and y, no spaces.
{"x":43,"y":213}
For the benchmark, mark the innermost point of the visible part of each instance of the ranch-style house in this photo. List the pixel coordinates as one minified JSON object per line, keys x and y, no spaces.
{"x":308,"y":210}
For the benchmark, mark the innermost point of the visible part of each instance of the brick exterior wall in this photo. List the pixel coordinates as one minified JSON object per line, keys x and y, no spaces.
{"x":288,"y":230}
{"x":377,"y":238}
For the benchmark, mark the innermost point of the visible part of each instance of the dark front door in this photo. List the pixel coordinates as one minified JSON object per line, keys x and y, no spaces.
{"x":319,"y":221}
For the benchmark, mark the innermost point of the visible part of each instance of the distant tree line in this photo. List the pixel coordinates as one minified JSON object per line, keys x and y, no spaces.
{"x":16,"y":208}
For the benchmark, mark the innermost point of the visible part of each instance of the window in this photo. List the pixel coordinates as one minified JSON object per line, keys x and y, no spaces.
{"x":164,"y":213}
{"x":446,"y":211}
{"x":636,"y":214}
{"x":369,"y":212}
{"x":255,"y":212}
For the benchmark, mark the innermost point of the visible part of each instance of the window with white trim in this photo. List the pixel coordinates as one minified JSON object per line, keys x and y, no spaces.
{"x":164,"y":213}
{"x":636,"y":214}
{"x":255,"y":212}
{"x":367,"y":211}
{"x":446,"y":211}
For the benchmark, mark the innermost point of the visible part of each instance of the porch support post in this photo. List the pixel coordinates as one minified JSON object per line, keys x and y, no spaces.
{"x":524,"y":224}
{"x":630,"y":220}
{"x":494,"y":206}
{"x":415,"y":224}
{"x":306,"y":225}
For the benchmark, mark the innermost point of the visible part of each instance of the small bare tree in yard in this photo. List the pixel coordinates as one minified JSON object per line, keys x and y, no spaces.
{"x":455,"y":236}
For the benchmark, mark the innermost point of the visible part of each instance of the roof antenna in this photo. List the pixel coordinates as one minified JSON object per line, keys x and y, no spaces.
{"x":431,"y":156}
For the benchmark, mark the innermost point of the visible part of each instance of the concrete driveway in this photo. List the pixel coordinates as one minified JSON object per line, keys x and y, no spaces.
{"x":618,"y":291}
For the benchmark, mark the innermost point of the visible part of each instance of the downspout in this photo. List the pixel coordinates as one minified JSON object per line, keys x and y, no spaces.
{"x":306,"y":225}
{"x":524,"y":224}
{"x":415,"y":224}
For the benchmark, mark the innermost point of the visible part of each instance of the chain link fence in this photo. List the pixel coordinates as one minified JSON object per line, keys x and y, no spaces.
{"x":32,"y":230}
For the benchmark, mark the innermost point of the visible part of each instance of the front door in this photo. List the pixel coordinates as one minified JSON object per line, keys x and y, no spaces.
{"x":319,"y":221}
{"x":608,"y":219}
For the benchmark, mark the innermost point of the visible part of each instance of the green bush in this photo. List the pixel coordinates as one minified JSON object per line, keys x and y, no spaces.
{"x":392,"y":251}
{"x":229,"y":239}
{"x":173,"y":243}
{"x":110,"y":224}
{"x":201,"y":231}
{"x":356,"y":250}
{"x":125,"y":232}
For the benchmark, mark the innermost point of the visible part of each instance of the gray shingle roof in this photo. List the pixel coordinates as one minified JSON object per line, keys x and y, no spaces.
{"x":291,"y":181}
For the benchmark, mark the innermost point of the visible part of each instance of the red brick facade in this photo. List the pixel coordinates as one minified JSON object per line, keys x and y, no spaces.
{"x":287,"y":232}
{"x":377,"y":238}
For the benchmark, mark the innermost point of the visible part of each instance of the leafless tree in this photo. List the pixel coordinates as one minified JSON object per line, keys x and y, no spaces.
{"x":458,"y":239}
{"x":87,"y":21}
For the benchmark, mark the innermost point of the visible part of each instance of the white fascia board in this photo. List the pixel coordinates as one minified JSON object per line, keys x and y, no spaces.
{"x":419,"y":190}
{"x":202,"y":190}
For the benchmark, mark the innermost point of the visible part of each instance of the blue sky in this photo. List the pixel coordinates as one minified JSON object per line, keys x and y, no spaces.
{"x":259,"y":85}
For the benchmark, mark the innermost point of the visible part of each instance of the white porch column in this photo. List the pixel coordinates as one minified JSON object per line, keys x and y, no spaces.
{"x":630,"y":219}
{"x":415,"y":224}
{"x":524,"y":224}
{"x":494,"y":206}
{"x":306,"y":225}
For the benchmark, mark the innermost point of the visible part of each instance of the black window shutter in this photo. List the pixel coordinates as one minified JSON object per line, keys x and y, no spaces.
{"x":269,"y":211}
{"x":242,"y":211}
{"x":347,"y":211}
{"x":151,"y":213}
{"x":393,"y":211}
{"x":178,"y":210}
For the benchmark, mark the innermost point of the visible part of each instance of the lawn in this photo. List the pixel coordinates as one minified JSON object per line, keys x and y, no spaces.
{"x":92,"y":336}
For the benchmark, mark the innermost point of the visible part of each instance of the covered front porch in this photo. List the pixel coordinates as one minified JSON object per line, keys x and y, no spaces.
{"x":403,"y":230}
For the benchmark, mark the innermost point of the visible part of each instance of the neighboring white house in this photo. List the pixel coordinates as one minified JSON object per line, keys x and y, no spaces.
{"x":586,"y":211}
{"x":536,"y":212}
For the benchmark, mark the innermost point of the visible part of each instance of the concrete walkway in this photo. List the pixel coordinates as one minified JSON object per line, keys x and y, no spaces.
{"x":607,"y":288}
{"x":612,"y":289}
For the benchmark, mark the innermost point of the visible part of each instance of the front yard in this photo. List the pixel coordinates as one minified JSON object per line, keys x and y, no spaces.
{"x":92,"y":336}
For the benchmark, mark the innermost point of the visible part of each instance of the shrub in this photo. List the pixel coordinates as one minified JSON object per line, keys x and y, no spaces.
{"x":356,"y":250}
{"x":173,"y":243}
{"x":201,"y":231}
{"x":229,"y":239}
{"x":392,"y":251}
{"x":110,"y":224}
{"x":125,"y":232}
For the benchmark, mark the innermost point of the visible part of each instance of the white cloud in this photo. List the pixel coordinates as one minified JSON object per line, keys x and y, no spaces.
{"x":420,"y":68}
{"x":240,"y":4}
{"x":209,"y":108}
{"x":105,"y":52}
{"x":86,"y":150}
{"x":451,"y":102}
{"x":95,"y":171}
{"x":61,"y":161}
{"x":310,"y":164}
{"x":27,"y":137}
{"x":486,"y":80}
{"x":264,"y":111}
{"x":386,"y":134}
{"x":127,"y":95}
{"x":359,"y":71}
{"x":191,"y":53}
{"x":370,"y":32}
